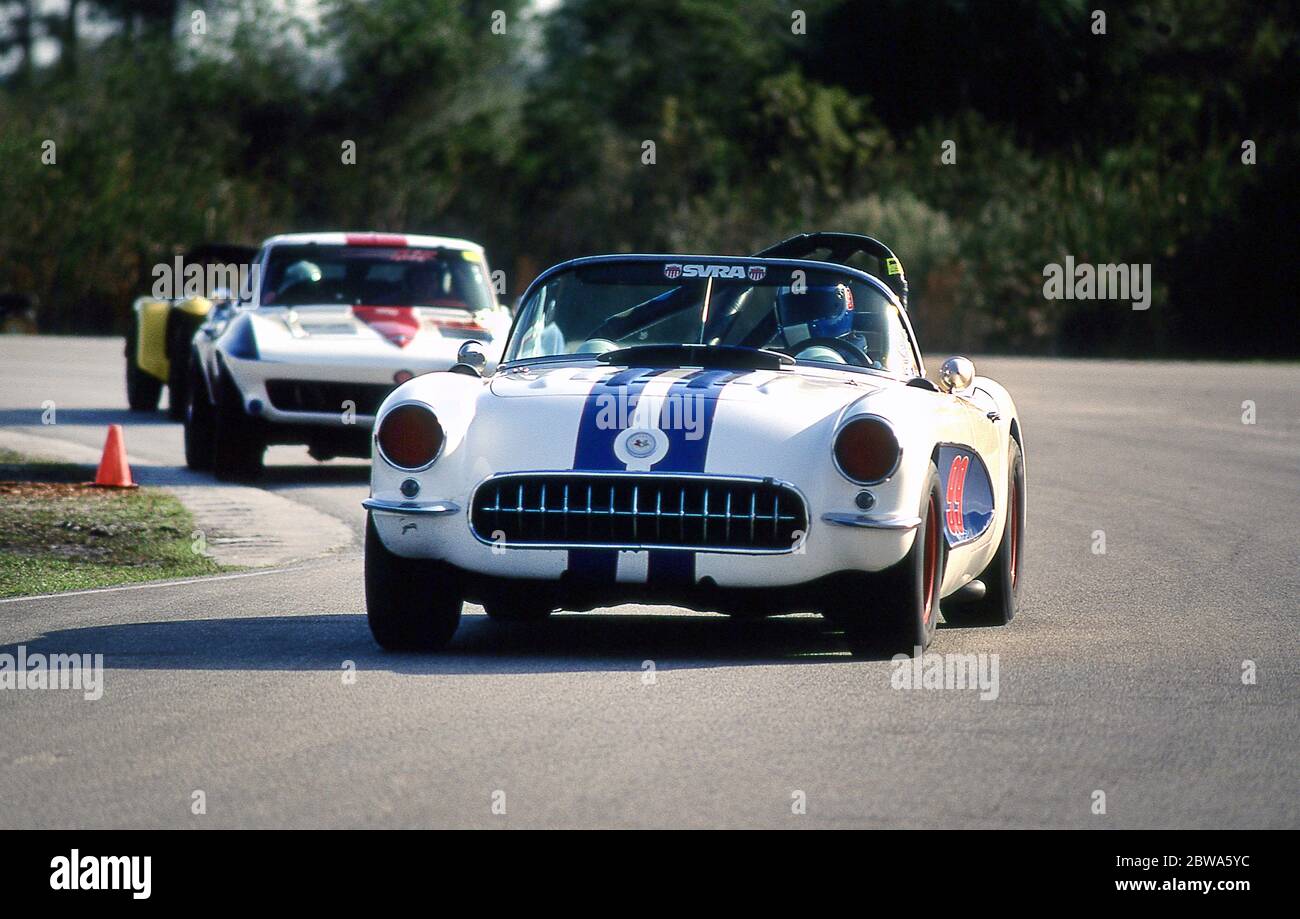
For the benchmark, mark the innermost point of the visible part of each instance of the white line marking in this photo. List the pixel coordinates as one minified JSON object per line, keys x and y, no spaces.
{"x":149,"y":584}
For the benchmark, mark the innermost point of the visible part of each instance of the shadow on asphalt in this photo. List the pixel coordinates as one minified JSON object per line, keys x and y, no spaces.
{"x":311,"y":474}
{"x":566,"y":643}
{"x":273,"y":477}
{"x":91,"y":417}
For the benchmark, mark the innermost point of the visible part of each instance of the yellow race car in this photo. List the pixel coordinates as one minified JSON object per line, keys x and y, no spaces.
{"x":161,"y":327}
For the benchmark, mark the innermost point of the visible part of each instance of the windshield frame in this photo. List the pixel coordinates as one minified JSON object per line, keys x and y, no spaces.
{"x":744,"y":261}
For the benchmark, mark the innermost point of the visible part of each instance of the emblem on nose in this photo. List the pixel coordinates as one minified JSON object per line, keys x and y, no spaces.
{"x":640,"y":448}
{"x":641,"y":444}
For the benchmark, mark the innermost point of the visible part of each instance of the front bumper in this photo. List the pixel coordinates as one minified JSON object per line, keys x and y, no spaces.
{"x":323,"y":395}
{"x":440,"y":529}
{"x":412,"y":508}
{"x":899,"y":522}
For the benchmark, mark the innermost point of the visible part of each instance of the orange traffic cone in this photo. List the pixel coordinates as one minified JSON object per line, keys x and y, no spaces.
{"x":113,"y":469}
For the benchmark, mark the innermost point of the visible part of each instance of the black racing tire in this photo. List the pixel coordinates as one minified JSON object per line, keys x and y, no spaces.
{"x":238,"y":444}
{"x":178,"y":385}
{"x":411,"y":604}
{"x":899,"y":612}
{"x":1003,"y":577}
{"x":515,"y":609}
{"x":142,"y":390}
{"x":200,"y":421}
{"x":181,"y":327}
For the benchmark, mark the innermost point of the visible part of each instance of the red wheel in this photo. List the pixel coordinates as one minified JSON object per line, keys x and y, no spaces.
{"x":930,"y":585}
{"x":1013,"y":508}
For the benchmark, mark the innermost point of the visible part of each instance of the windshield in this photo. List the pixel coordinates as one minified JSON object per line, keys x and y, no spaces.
{"x":812,"y":314}
{"x":375,"y":276}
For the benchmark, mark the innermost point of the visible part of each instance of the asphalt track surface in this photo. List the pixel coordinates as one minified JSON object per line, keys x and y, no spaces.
{"x":1123,"y":672}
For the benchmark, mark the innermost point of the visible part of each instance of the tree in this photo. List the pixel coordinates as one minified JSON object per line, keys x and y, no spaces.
{"x":19,"y":36}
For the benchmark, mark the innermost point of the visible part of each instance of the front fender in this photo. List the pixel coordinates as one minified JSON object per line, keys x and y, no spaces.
{"x":1010,"y":422}
{"x":454,"y":399}
{"x":922,"y":420}
{"x":151,"y":336}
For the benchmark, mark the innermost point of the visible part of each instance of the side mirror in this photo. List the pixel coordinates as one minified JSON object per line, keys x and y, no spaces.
{"x":956,"y":374}
{"x":472,"y":355}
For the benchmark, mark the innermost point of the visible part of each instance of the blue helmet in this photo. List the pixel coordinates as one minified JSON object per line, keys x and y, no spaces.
{"x":825,"y":310}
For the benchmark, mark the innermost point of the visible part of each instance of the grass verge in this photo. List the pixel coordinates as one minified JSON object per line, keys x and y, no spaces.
{"x":57,"y":533}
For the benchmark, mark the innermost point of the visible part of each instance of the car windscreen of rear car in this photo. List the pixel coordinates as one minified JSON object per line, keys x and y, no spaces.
{"x":311,"y":275}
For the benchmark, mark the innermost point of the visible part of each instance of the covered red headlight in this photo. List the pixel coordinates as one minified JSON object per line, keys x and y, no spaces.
{"x":867,"y":450}
{"x":409,"y":436}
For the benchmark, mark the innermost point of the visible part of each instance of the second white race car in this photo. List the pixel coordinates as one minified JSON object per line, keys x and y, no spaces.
{"x":333,"y":323}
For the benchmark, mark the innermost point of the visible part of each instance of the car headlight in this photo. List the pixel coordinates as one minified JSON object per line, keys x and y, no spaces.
{"x":409,"y":436}
{"x":867,"y":450}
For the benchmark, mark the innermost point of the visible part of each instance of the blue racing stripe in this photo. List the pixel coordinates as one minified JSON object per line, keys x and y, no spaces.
{"x":594,"y":452}
{"x":687,"y":420}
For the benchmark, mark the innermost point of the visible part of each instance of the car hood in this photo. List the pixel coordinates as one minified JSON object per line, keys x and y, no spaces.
{"x":579,"y":382}
{"x":744,"y":422}
{"x":387,"y":334}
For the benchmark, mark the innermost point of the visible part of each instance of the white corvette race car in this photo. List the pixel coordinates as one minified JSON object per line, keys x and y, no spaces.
{"x":745,"y":435}
{"x":333,"y":323}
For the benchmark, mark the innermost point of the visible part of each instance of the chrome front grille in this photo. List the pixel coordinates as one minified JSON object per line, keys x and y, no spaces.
{"x":638,"y":511}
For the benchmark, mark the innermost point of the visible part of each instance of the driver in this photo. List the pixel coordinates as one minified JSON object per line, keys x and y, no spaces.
{"x":303,"y":272}
{"x":829,"y":312}
{"x":817,"y":311}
